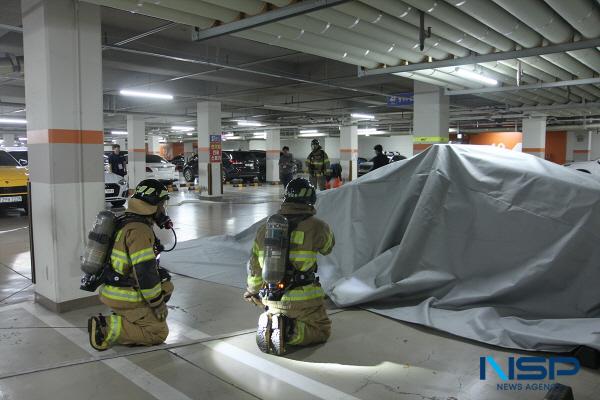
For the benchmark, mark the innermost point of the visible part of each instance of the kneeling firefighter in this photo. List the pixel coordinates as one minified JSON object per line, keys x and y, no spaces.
{"x":131,"y":282}
{"x":282,"y":273}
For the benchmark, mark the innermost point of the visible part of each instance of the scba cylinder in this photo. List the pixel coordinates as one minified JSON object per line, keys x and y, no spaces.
{"x":276,"y":249}
{"x":98,"y":244}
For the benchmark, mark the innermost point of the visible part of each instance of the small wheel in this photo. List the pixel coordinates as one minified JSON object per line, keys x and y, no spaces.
{"x":188,"y":176}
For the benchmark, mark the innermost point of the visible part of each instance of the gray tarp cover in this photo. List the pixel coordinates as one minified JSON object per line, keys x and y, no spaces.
{"x":488,"y":244}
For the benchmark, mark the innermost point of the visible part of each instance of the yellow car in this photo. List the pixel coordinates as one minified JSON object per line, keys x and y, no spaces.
{"x":13,"y":183}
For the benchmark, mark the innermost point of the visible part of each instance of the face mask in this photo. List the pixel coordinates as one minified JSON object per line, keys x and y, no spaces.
{"x":162,"y":219}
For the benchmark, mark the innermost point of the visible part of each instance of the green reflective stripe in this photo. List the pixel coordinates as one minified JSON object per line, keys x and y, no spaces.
{"x":297,"y":237}
{"x":119,"y":260}
{"x":255,"y":249}
{"x":298,"y":336}
{"x":303,"y":255}
{"x":119,"y":234}
{"x":142,"y":255}
{"x":118,"y":265}
{"x":328,"y":242}
{"x":120,"y":294}
{"x":254,"y":281}
{"x":261,"y":258}
{"x":304,"y":293}
{"x":115,"y":325}
{"x":152,"y":292}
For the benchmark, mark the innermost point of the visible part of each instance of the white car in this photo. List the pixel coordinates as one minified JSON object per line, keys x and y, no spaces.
{"x":587,"y":167}
{"x":115,"y":189}
{"x":160,"y":169}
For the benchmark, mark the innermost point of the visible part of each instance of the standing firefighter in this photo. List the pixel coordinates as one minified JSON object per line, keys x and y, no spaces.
{"x":282,"y":273}
{"x":317,"y":163}
{"x":134,"y":286}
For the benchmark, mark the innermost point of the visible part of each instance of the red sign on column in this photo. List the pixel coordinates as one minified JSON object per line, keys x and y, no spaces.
{"x":215,"y":148}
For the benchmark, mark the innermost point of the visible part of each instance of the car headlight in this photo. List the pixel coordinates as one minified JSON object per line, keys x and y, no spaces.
{"x":122,"y":182}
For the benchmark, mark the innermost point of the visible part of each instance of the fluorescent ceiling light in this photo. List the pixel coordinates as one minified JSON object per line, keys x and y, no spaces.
{"x":474,"y":76}
{"x":182,"y":128}
{"x":149,"y":95}
{"x":118,"y":132}
{"x":309,"y":131}
{"x":362,"y":116}
{"x":23,"y":139}
{"x":232,"y":138}
{"x":248,"y":123}
{"x":12,"y":121}
{"x":259,"y":133}
{"x":189,"y":133}
{"x":316,"y":134}
{"x":227,"y":135}
{"x":452,"y":130}
{"x":369,"y":132}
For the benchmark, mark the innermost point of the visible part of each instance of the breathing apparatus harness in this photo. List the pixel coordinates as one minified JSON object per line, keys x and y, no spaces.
{"x":293,"y":278}
{"x":107,"y":275}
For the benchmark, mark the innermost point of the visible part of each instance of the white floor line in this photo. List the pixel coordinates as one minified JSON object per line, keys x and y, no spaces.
{"x":262,"y":365}
{"x":134,"y":373}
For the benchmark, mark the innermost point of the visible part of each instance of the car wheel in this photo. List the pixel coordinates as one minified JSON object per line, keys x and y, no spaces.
{"x":188,"y":176}
{"x":118,"y":203}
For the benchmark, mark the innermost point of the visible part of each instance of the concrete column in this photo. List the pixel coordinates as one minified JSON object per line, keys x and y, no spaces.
{"x":273,"y":148}
{"x":534,"y":136}
{"x":430,"y":116}
{"x":188,"y":149}
{"x":595,"y":146}
{"x":332,"y":148}
{"x":154,"y":144}
{"x":136,"y":139}
{"x":9,"y":139}
{"x":209,"y":123}
{"x":581,"y":145}
{"x":63,"y":87}
{"x":349,"y":151}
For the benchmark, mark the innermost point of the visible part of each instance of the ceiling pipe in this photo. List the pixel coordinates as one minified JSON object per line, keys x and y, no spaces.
{"x":404,"y":12}
{"x":373,"y":17}
{"x":583,"y":15}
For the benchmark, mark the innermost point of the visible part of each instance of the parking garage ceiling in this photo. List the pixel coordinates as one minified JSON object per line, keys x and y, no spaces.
{"x":316,"y":68}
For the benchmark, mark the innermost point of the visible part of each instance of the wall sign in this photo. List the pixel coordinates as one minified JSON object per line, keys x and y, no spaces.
{"x":215,"y":148}
{"x":400,"y":99}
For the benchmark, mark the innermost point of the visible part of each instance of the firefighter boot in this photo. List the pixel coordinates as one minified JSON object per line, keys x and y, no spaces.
{"x":281,"y":327}
{"x":97,"y":332}
{"x":263,"y":332}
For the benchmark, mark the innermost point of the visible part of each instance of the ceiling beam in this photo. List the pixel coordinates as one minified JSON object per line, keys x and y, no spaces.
{"x":475,"y":59}
{"x":279,"y":14}
{"x":541,"y":85}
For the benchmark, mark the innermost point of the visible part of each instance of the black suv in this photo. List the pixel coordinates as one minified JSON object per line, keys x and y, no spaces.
{"x":242,"y":165}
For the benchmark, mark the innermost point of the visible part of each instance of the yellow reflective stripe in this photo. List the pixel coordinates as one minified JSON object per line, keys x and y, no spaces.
{"x":303,"y":255}
{"x":118,"y":265}
{"x":304,"y":293}
{"x":120,"y":294}
{"x":254,"y":281}
{"x":115,"y":325}
{"x":142,"y":255}
{"x":298,"y":337}
{"x":261,"y":258}
{"x":152,"y":292}
{"x":255,"y":249}
{"x":119,"y":234}
{"x":430,"y":139}
{"x":297,"y":237}
{"x":119,"y":260}
{"x":328,"y":243}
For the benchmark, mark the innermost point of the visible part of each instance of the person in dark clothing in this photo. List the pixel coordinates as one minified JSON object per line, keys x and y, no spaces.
{"x":286,"y":166}
{"x":117,"y":161}
{"x":380,"y":159}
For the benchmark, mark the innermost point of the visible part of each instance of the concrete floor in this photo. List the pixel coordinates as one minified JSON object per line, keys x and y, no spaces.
{"x":211,"y":353}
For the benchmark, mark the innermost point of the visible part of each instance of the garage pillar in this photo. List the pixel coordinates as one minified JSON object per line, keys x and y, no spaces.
{"x":582,"y":145}
{"x":209,"y":159}
{"x":273,"y":149}
{"x":136,"y":139}
{"x":534,"y":136}
{"x":430,"y":116}
{"x":188,"y":149}
{"x":63,"y":87}
{"x":154,"y":144}
{"x":349,"y":151}
{"x":8,"y":139}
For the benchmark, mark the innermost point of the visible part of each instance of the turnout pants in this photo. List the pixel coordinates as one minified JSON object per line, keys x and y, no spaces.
{"x":318,"y":181}
{"x":312,"y":323}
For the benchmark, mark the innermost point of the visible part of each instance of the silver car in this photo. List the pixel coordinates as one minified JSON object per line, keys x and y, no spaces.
{"x":115,"y":189}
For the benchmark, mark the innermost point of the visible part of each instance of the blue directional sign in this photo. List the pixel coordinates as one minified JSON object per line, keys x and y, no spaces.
{"x":400,"y":100}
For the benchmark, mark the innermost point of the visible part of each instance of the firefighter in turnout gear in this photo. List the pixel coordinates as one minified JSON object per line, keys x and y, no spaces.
{"x":139,"y":289}
{"x":317,"y":163}
{"x":295,"y":310}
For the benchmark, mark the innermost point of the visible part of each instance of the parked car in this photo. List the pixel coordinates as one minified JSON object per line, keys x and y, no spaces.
{"x":588,"y":167}
{"x":261,"y":157}
{"x":20,"y":154}
{"x":160,"y":169}
{"x":238,"y":164}
{"x":178,"y":161}
{"x":364,"y":166}
{"x":115,"y":189}
{"x":13,"y":183}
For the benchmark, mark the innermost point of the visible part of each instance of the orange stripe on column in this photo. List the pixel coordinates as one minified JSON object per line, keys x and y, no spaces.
{"x":203,"y":149}
{"x":421,"y":146}
{"x":581,"y":151}
{"x":138,"y":150}
{"x":348,"y":150}
{"x":65,"y":136}
{"x":533,"y":150}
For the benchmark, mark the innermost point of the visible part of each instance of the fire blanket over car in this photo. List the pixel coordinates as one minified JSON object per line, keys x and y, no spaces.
{"x":485,"y":243}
